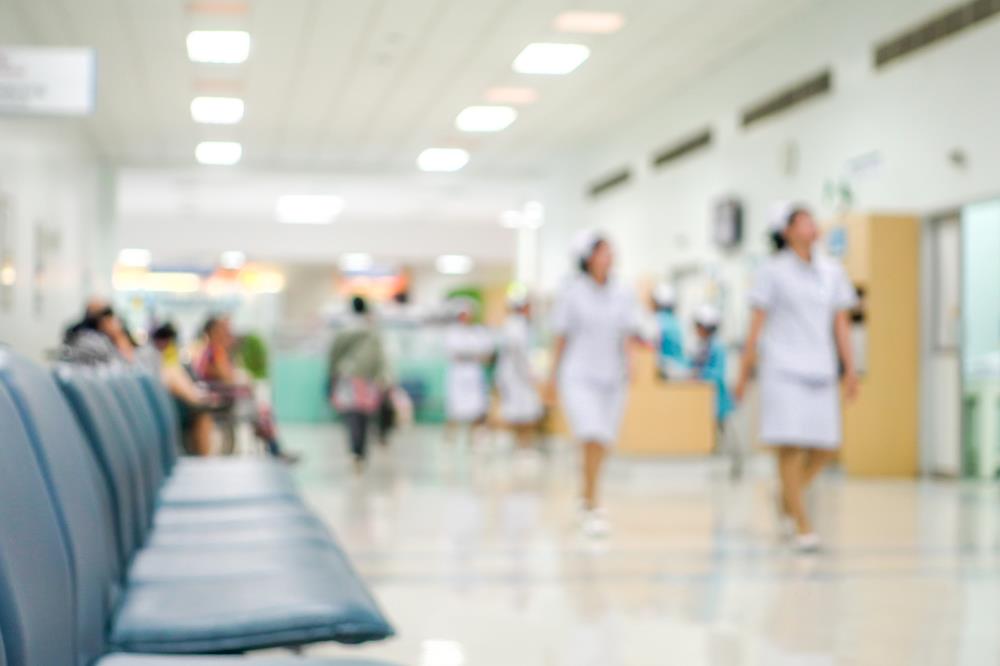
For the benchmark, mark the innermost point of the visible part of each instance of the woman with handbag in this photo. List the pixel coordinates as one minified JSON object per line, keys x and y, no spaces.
{"x":357,"y":377}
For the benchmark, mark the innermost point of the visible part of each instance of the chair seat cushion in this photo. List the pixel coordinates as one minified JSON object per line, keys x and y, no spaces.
{"x":224,"y":489}
{"x":282,"y":533}
{"x":253,"y":612}
{"x":198,"y":562}
{"x":163,"y":660}
{"x":195,"y":516}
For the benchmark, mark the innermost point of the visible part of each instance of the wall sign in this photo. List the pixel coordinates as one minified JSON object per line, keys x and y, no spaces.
{"x":47,"y":81}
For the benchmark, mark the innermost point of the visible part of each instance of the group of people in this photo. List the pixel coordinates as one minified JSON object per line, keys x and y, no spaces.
{"x":799,"y":330}
{"x":205,"y":389}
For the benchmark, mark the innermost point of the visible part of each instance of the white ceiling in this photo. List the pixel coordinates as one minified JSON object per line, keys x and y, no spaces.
{"x":358,"y":88}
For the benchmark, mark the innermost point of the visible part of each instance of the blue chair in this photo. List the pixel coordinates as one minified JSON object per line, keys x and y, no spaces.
{"x":297,"y":593}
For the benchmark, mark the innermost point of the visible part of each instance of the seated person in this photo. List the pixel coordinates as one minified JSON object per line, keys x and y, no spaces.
{"x":194,"y":405}
{"x":215,"y":366}
{"x":98,"y":338}
{"x":709,"y":360}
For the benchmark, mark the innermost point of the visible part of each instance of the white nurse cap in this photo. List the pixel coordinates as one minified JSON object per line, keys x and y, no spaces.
{"x":707,"y":315}
{"x":583,"y":244}
{"x":664,"y":295}
{"x":777,"y":216}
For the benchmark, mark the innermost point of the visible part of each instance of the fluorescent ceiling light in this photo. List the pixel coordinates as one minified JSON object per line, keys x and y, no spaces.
{"x":485,"y":118}
{"x":217,"y":110}
{"x":356,"y":262}
{"x":453,"y":264}
{"x":511,"y":95}
{"x":589,"y":22}
{"x":232,"y":260}
{"x":218,"y":153}
{"x":442,"y":159}
{"x":226,"y":47}
{"x":550,"y":58}
{"x":308,"y":208}
{"x":135,"y":257}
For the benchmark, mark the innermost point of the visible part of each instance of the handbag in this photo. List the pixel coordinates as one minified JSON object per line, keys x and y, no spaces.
{"x":355,"y":394}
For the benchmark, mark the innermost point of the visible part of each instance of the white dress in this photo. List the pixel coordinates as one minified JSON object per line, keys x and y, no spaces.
{"x":800,"y":399}
{"x":597,"y":322}
{"x":466,"y":393}
{"x":519,"y":399}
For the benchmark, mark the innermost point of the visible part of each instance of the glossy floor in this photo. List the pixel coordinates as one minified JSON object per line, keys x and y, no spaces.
{"x":476,"y":556}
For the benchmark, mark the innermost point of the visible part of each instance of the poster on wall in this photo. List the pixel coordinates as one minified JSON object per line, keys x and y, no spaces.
{"x":8,"y":267}
{"x":47,"y":243}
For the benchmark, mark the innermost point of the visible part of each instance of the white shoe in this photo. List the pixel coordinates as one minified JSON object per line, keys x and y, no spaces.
{"x":808,"y":543}
{"x":786,"y":527}
{"x":594,"y":523}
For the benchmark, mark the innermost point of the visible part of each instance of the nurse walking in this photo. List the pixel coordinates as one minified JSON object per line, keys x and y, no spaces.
{"x":520,"y":404}
{"x":469,"y":347}
{"x":595,"y":321}
{"x":800,"y":306}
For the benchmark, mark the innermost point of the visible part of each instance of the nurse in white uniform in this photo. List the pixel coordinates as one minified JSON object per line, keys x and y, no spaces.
{"x":468,"y":346}
{"x":800,"y":303}
{"x":520,"y":403}
{"x":595,"y":321}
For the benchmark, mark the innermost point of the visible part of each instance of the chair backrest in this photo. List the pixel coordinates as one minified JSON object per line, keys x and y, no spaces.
{"x":110,"y":439}
{"x":80,"y":497}
{"x":127,"y":391}
{"x":165,"y":411}
{"x":36,"y":587}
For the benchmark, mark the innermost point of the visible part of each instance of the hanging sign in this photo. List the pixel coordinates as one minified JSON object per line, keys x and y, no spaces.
{"x":47,"y":81}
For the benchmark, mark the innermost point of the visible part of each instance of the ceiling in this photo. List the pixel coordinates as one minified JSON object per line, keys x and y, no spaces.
{"x":364,"y":85}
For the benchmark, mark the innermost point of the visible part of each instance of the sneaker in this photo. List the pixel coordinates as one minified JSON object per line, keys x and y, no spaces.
{"x":807,"y":543}
{"x":594,"y":523}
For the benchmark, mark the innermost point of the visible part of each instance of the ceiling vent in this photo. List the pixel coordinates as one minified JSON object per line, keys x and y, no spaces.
{"x":814,"y":86}
{"x":692,"y":144}
{"x":934,"y":30}
{"x":610,"y":182}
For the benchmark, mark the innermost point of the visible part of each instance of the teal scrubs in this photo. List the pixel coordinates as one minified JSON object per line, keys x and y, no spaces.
{"x":710,"y":365}
{"x":671,"y":339}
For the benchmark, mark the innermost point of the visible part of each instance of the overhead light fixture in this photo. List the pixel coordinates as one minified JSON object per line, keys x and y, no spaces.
{"x":217,"y":110}
{"x":134,"y":257}
{"x":485,"y":118}
{"x":8,"y":274}
{"x":232,"y":260}
{"x":515,"y":95}
{"x":218,"y":153}
{"x":454,"y":264}
{"x":308,"y":208}
{"x":356,"y":262}
{"x":584,"y":22}
{"x":224,"y":47}
{"x":442,"y":159}
{"x":550,"y":58}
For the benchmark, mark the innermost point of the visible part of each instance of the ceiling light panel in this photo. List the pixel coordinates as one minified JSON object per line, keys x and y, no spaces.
{"x":454,"y":264}
{"x":308,"y":208}
{"x":550,"y":58}
{"x":217,"y":110}
{"x":224,"y":47}
{"x":232,"y":260}
{"x":595,"y":23}
{"x":485,"y":118}
{"x":442,"y":159}
{"x":134,"y":257}
{"x":218,"y":153}
{"x":516,"y":96}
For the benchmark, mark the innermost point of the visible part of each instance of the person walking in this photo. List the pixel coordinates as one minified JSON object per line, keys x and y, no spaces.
{"x":358,"y":370}
{"x":800,"y":323}
{"x":595,"y":321}
{"x":520,"y":402}
{"x":469,"y":347}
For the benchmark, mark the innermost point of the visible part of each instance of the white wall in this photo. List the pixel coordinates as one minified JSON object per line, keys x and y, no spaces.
{"x":52,"y":181}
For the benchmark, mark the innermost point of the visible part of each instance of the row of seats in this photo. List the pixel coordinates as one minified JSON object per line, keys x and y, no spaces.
{"x":110,"y":543}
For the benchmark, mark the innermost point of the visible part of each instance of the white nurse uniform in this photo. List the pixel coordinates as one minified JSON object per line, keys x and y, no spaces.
{"x":800,"y":402}
{"x":466,"y":393}
{"x":596,"y":321}
{"x":519,"y":399}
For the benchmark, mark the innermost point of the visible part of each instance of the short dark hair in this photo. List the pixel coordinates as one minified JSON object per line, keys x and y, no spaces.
{"x":164,"y":332}
{"x":778,"y":237}
{"x":359,"y":305}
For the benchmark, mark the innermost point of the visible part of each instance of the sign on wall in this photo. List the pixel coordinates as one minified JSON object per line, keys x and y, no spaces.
{"x":47,"y":81}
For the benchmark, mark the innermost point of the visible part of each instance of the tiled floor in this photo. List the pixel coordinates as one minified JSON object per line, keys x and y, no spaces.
{"x":477,"y":560}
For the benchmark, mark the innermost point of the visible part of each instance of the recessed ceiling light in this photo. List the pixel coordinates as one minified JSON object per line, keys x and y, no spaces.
{"x":217,"y":110}
{"x":485,"y":118}
{"x":232,"y":260}
{"x":442,"y":159}
{"x":134,"y":257}
{"x":225,"y":47}
{"x":453,"y":264}
{"x":308,"y":208}
{"x":550,"y":58}
{"x":356,"y":262}
{"x":589,"y":22}
{"x":218,"y":153}
{"x":511,"y":95}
